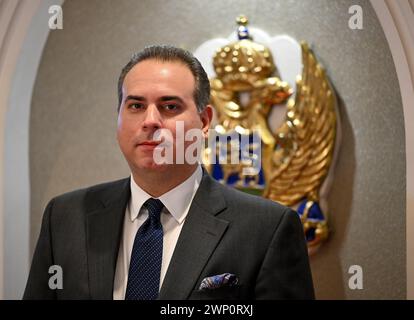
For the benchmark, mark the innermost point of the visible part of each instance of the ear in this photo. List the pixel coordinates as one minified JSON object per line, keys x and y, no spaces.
{"x":206,"y":116}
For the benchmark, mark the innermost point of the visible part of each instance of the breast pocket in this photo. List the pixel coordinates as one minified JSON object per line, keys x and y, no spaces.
{"x":222,"y":293}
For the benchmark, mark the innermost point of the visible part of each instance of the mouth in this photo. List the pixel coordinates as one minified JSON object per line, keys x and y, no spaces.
{"x":148,"y":145}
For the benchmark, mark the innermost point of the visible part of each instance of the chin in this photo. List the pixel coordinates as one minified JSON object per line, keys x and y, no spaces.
{"x":151,"y":165}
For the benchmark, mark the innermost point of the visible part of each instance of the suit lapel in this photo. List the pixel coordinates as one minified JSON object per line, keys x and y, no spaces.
{"x":103,"y":230}
{"x":199,"y":237}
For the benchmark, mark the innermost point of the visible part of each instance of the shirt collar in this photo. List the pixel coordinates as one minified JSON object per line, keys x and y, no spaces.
{"x":177,"y":200}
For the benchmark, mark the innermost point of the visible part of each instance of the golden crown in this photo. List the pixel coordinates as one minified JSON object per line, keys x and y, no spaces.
{"x":243,"y":60}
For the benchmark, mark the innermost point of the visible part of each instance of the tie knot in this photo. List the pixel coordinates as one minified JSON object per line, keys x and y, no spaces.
{"x":154,"y":207}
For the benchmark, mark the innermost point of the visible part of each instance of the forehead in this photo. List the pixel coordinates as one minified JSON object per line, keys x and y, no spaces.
{"x":173,"y":75}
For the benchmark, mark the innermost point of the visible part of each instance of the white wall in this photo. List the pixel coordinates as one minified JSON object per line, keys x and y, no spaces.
{"x":24,"y":31}
{"x":397,"y":20}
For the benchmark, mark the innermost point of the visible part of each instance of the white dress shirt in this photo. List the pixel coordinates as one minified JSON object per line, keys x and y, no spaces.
{"x":177,"y":203}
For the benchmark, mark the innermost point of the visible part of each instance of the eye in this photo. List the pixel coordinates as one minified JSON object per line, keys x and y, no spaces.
{"x":170,"y":107}
{"x":136,"y":106}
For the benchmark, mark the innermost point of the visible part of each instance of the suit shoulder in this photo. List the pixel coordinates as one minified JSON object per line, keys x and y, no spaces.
{"x":249,"y":212}
{"x":89,"y":195}
{"x":253,"y":204}
{"x":102,"y":187}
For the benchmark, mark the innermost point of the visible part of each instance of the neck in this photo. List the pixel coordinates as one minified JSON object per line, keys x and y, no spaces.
{"x":158,"y":182}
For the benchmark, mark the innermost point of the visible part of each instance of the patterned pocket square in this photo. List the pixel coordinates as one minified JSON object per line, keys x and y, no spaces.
{"x":218,"y":281}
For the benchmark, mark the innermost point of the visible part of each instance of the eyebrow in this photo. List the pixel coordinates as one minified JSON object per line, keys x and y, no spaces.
{"x":162,"y":99}
{"x":170,"y":98}
{"x":139,"y":98}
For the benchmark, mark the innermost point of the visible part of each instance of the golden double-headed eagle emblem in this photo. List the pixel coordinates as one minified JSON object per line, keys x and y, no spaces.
{"x":296,"y":156}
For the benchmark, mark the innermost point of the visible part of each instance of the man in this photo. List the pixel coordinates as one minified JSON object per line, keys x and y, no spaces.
{"x":169,"y":231}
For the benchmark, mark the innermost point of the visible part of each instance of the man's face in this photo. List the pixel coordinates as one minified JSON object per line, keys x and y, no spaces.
{"x":155,"y":95}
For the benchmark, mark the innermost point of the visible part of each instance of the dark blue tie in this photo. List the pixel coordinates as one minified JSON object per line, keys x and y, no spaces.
{"x":146,"y":258}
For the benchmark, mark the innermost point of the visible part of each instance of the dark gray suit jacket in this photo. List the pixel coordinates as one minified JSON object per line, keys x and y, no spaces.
{"x":226,"y":231}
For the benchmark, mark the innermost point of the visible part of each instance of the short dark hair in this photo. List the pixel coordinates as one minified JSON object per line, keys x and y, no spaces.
{"x":167,"y":53}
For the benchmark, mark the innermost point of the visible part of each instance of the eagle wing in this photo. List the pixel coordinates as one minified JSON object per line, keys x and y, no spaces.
{"x":305,"y":141}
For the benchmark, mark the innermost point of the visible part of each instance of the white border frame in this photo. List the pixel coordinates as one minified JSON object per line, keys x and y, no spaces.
{"x":23,"y":34}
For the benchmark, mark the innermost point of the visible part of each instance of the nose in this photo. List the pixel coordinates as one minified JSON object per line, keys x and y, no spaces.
{"x":152,"y":120}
